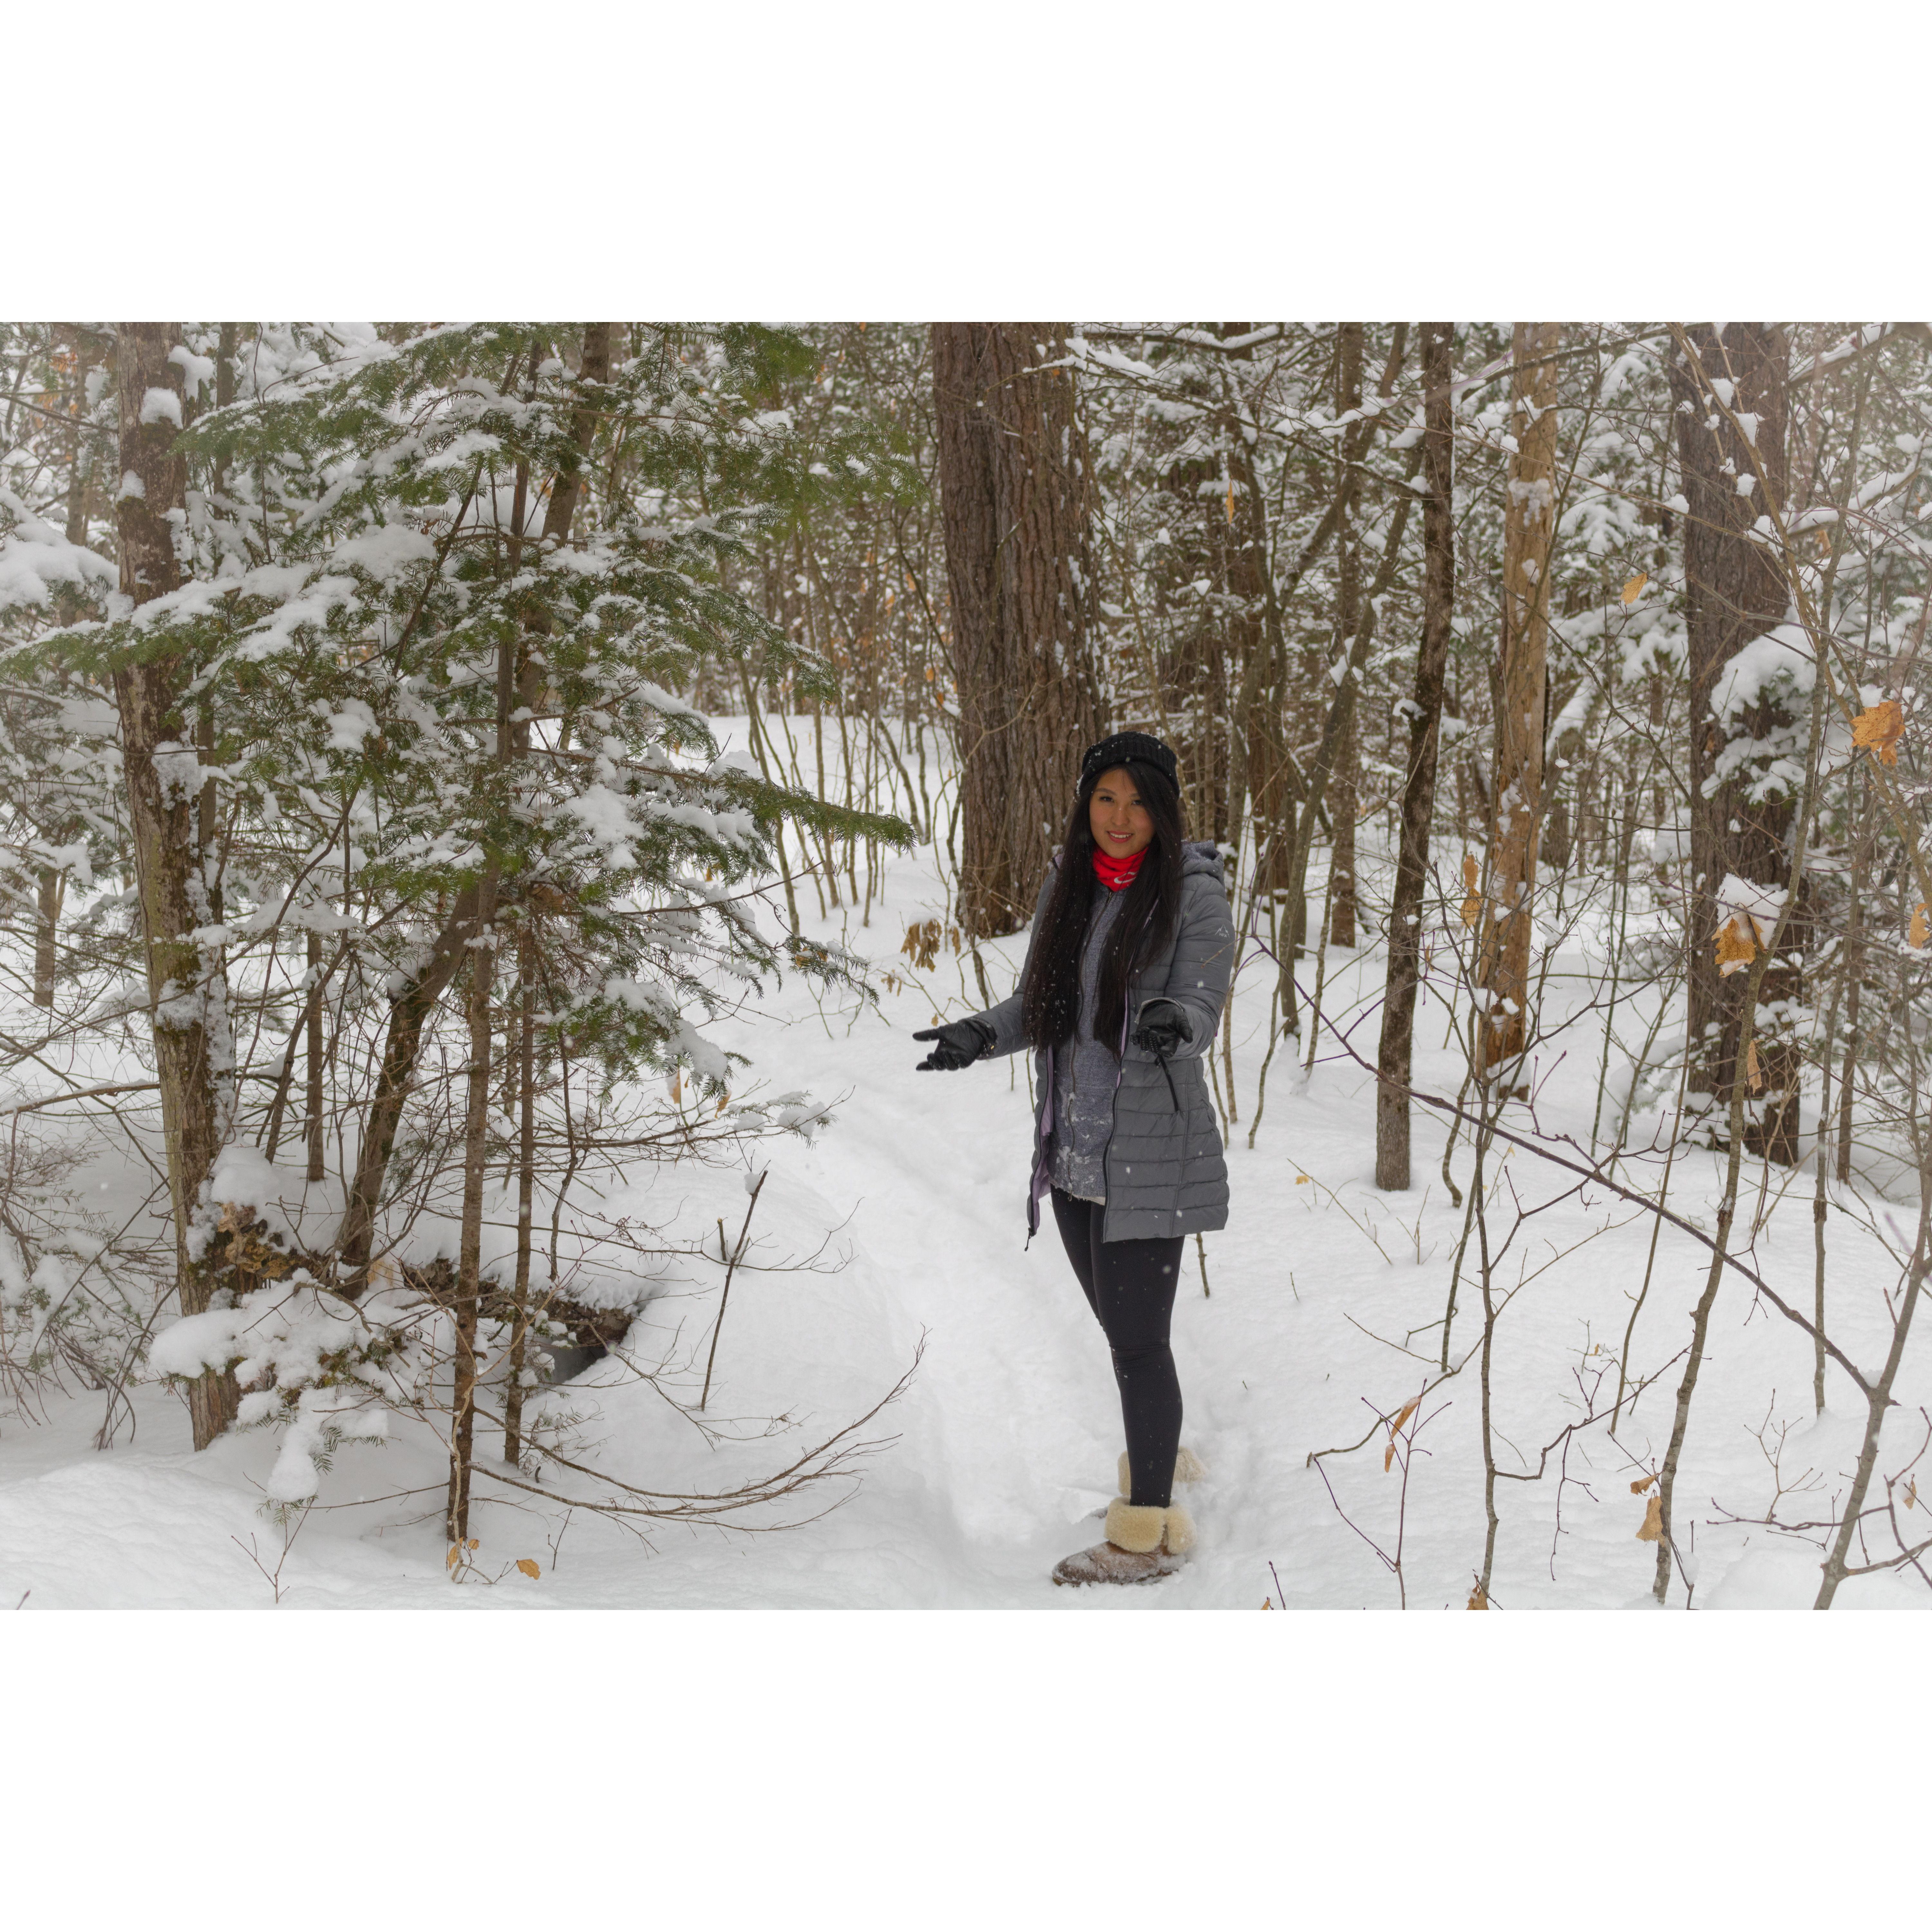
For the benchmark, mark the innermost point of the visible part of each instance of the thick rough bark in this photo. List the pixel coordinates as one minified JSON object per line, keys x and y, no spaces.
{"x":1418,"y":800}
{"x":1529,"y":530}
{"x":184,"y":982}
{"x":1016,"y":498}
{"x":1735,"y":593}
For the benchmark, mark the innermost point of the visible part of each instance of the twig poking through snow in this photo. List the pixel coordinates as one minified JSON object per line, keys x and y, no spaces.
{"x":730,"y":1268}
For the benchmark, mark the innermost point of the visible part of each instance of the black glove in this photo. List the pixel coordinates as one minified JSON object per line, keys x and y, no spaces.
{"x":1163,"y":1026}
{"x":960,"y":1044}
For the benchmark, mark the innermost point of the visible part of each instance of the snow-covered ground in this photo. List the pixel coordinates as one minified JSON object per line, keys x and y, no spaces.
{"x":1003,"y":1443}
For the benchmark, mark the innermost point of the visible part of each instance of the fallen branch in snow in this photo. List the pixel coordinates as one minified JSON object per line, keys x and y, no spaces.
{"x":834,"y":1457}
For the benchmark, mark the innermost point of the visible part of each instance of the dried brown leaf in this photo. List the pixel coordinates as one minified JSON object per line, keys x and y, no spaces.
{"x":1638,"y":1487}
{"x":1633,"y":589}
{"x":1479,"y":1599}
{"x":1737,"y":944}
{"x":1918,"y":934}
{"x":1878,"y":730}
{"x":1401,"y":1416}
{"x":1752,"y":1073}
{"x":529,"y":1568}
{"x":1652,"y":1531}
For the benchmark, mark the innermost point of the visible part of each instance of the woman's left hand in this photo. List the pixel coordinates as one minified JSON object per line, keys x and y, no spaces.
{"x":1162,"y":1027}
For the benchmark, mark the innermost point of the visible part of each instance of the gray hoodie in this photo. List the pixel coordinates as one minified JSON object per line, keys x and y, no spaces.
{"x":1159,"y":1158}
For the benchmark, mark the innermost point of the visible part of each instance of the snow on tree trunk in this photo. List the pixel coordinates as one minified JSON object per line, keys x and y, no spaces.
{"x":1418,"y":798}
{"x":1529,"y":529}
{"x":1741,"y":788}
{"x":186,"y":990}
{"x":1345,"y":788}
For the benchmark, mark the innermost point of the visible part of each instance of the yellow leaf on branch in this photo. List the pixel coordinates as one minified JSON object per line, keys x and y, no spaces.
{"x":1633,"y":589}
{"x":1878,"y":730}
{"x":1643,"y":1483}
{"x":1402,"y":1415}
{"x":1472,"y":874}
{"x":1479,"y":1599}
{"x":1737,"y":944}
{"x":1652,"y":1531}
{"x":1917,"y":934}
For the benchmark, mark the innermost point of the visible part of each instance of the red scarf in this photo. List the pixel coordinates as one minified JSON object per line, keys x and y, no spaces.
{"x":1117,"y":875}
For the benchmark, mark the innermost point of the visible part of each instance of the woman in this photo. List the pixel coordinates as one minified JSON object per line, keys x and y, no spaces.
{"x":1133,"y":944}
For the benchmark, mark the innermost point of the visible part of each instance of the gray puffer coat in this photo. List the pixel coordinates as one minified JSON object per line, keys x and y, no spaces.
{"x":1165,"y":1175}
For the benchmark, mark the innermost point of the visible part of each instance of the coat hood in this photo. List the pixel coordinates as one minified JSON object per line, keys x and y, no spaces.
{"x":1201,"y":857}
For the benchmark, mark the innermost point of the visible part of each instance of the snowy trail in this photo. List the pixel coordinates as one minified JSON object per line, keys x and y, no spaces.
{"x":1007,"y":1437}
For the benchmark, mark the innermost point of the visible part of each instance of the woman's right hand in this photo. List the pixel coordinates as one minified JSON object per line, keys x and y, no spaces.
{"x":960,"y":1043}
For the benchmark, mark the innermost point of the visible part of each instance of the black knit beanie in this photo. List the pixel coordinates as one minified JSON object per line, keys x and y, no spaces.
{"x":1137,"y":745}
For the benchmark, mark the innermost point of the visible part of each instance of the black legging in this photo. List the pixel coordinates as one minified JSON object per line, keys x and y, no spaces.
{"x":1129,"y":1286}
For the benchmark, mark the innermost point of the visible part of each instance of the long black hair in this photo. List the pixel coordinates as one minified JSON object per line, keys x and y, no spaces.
{"x":1050,"y":1002}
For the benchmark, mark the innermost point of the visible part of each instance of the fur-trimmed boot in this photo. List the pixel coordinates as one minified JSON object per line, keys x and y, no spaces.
{"x":1188,"y":1468}
{"x":1144,"y":1543}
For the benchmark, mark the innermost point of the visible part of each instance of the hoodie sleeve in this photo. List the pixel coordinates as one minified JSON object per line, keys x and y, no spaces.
{"x":1007,"y":1021}
{"x":1198,"y":975}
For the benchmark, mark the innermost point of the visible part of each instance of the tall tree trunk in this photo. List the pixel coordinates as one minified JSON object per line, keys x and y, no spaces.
{"x":1346,"y":787}
{"x":1259,"y":765}
{"x":409,"y":1014}
{"x":1345,"y":806}
{"x":51,"y":884}
{"x":526,"y":1172}
{"x":186,"y":993}
{"x":1395,"y":1054}
{"x":1735,"y":593}
{"x":470,"y":1248}
{"x":70,"y":601}
{"x":1529,"y":526}
{"x":312,"y":1107}
{"x":1015,"y":497}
